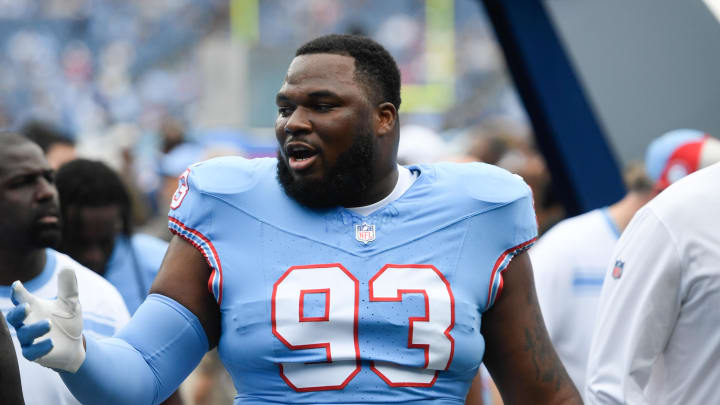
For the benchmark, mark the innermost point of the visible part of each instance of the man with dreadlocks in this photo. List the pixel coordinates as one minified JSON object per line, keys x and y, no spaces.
{"x":97,"y":229}
{"x":97,"y":232}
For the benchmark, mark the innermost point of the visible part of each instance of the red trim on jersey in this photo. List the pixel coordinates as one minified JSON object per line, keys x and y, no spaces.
{"x":325,"y":317}
{"x":499,"y":262}
{"x":216,"y":271}
{"x":412,"y":320}
{"x":325,"y":345}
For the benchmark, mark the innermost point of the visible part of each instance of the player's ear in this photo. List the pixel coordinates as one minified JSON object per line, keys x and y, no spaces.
{"x":385,"y":118}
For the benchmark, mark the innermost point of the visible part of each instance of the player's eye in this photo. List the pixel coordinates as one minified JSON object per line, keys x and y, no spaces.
{"x":21,"y":181}
{"x":324,"y":107}
{"x":284,"y":111}
{"x":49,"y":176}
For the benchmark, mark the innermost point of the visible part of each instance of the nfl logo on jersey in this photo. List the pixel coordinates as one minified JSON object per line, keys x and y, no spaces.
{"x":618,"y":269}
{"x":365,"y":233}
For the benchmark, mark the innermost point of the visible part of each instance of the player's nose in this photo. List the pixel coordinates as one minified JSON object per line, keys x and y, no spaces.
{"x":45,"y":190}
{"x":298,"y":123}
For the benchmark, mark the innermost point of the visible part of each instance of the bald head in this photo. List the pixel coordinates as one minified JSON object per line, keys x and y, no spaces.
{"x":28,"y":197}
{"x":10,"y":144}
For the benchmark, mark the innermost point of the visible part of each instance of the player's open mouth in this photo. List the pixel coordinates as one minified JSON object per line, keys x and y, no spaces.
{"x":300,"y":155}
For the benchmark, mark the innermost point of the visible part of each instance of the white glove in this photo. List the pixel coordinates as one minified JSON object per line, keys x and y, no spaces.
{"x":65,"y":318}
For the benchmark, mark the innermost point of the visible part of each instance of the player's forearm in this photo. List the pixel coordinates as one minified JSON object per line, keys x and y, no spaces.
{"x":145,"y":362}
{"x":544,"y":379}
{"x":113,"y":373}
{"x":552,"y":382}
{"x":519,"y":354}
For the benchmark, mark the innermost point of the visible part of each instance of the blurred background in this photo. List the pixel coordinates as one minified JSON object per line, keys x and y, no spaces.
{"x":130,"y":81}
{"x":151,"y":86}
{"x":565,"y":93}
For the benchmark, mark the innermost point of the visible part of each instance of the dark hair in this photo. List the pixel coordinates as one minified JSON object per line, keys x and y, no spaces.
{"x":88,"y":183}
{"x":374,"y":66}
{"x":45,"y":134}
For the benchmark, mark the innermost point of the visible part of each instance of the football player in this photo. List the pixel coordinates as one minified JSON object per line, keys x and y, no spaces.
{"x":30,"y":227}
{"x":331,"y":274}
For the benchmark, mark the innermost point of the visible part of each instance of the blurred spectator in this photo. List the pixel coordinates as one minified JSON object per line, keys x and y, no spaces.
{"x":419,"y":144}
{"x":30,"y":224}
{"x":58,"y":147}
{"x":97,"y":229}
{"x":93,"y":64}
{"x":173,"y":163}
{"x":97,"y":232}
{"x":679,"y":153}
{"x":116,"y":148}
{"x":172,"y":134}
{"x":657,"y":336}
{"x":508,"y":144}
{"x":571,"y":259}
{"x":570,"y":262}
{"x":171,"y":166}
{"x":90,"y":65}
{"x":489,"y":147}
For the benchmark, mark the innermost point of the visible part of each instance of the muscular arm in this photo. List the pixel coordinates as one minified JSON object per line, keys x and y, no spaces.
{"x":163,"y":342}
{"x":167,"y":283}
{"x":518,"y":352}
{"x":475,"y":395}
{"x":10,"y":388}
{"x":183,"y":276}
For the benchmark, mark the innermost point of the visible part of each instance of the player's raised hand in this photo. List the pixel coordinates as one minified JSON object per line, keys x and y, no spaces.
{"x":59,"y":319}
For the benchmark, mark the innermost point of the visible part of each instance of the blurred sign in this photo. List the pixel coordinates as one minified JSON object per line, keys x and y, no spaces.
{"x":244,"y":19}
{"x":437,"y":95}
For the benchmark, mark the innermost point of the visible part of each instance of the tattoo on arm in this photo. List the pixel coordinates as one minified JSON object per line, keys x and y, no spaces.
{"x":538,"y":346}
{"x":519,"y":346}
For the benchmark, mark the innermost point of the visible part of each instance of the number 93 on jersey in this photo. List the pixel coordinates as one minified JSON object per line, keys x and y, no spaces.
{"x":334,"y":327}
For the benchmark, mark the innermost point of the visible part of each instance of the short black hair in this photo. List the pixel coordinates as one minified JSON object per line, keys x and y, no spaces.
{"x":374,"y":65}
{"x":89,"y":183}
{"x":45,"y":134}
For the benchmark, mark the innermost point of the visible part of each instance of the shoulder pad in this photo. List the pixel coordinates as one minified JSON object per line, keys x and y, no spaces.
{"x":230,"y":174}
{"x":483,"y":182}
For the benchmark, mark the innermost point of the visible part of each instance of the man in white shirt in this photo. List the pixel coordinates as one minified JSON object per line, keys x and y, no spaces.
{"x":29,"y":226}
{"x":657,"y":338}
{"x":569,"y":264}
{"x":570,"y":261}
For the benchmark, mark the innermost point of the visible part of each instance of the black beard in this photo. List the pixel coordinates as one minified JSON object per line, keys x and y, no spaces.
{"x":343,"y":183}
{"x":45,"y":235}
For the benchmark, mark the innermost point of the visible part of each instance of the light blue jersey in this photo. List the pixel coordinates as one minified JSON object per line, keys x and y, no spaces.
{"x":133,"y":265}
{"x":334,"y":307}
